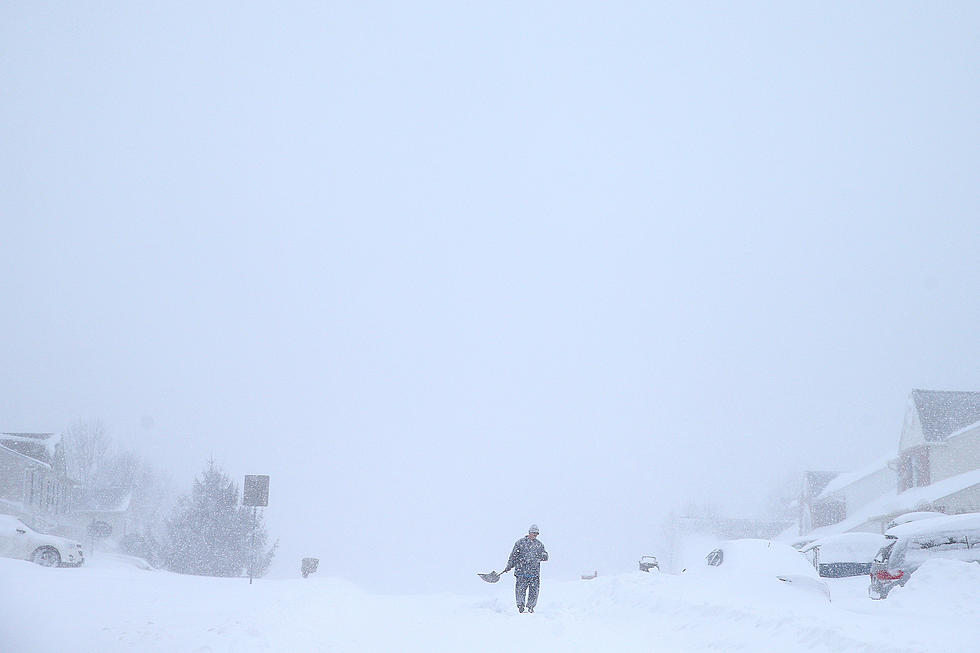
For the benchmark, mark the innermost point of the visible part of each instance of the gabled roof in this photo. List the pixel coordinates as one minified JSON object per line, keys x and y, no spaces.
{"x":942,"y":412}
{"x":38,"y":446}
{"x":841,"y":481}
{"x":814,"y":482}
{"x":895,"y":503}
{"x":101,"y":499}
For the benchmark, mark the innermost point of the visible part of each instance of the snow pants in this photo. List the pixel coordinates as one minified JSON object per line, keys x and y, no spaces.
{"x":530,"y":586}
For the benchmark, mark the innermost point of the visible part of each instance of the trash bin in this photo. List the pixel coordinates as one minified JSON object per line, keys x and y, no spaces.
{"x":309,"y":566}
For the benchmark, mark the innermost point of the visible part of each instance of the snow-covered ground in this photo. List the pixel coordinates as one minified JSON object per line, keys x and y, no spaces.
{"x":112,"y":605}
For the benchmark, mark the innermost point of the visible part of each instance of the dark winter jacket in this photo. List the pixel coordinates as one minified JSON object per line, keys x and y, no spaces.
{"x":526,"y":557}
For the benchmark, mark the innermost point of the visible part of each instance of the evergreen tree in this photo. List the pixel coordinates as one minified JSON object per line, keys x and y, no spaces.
{"x":209,"y":534}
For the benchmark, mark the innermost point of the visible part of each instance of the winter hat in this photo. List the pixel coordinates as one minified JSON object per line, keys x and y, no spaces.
{"x":533,"y":529}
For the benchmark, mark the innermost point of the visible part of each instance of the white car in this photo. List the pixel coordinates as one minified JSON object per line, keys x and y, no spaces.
{"x":17,"y":540}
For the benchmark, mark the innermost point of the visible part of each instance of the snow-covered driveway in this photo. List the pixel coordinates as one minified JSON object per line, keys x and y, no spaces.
{"x":106,"y":609}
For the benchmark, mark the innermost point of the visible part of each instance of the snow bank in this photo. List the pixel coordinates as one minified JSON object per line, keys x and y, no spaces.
{"x":944,"y":587}
{"x":116,"y":607}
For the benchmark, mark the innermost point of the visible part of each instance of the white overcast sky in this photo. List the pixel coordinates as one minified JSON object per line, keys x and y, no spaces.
{"x":442,"y":270}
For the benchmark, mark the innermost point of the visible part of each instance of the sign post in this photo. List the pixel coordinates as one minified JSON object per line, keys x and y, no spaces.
{"x":255,"y":494}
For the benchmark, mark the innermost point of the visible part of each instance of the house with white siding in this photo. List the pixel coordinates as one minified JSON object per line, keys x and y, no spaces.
{"x":35,"y":486}
{"x":940,"y":443}
{"x":34,"y":483}
{"x":936,"y":468}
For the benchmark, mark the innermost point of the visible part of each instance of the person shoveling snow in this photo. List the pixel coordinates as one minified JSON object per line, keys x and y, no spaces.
{"x":525,"y":559}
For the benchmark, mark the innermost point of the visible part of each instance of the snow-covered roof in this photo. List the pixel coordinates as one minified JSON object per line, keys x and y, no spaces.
{"x":814,"y":482}
{"x":845,"y":538}
{"x":942,"y":413}
{"x":39,"y":447}
{"x":964,"y":430}
{"x":896,"y":502}
{"x":847,"y":478}
{"x":101,"y":499}
{"x":846,"y":547}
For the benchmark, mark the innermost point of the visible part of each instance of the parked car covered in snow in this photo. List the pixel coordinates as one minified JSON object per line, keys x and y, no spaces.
{"x":912,"y":516}
{"x":845,"y":554}
{"x":649,"y":562}
{"x":763,"y":563}
{"x":17,"y":540}
{"x":909,"y":545}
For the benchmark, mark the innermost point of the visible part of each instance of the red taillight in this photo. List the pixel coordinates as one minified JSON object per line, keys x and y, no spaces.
{"x":888,"y":574}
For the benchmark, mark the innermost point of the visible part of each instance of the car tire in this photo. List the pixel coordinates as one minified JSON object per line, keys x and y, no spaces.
{"x":46,"y":556}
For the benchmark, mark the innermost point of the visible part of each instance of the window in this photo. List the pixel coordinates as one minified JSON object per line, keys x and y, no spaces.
{"x":884,"y":552}
{"x":926,"y":547}
{"x":947,"y":542}
{"x":913,"y":468}
{"x":827,"y":512}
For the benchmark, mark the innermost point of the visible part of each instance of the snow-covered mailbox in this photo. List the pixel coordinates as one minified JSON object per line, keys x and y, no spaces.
{"x":846,"y":554}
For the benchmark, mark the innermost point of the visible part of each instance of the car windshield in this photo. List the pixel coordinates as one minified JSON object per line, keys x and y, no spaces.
{"x":884,"y":552}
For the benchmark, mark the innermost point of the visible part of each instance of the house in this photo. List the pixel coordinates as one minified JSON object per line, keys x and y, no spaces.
{"x":106,"y":509}
{"x":937,"y":469}
{"x":814,"y":514}
{"x":846,"y":494}
{"x":689,"y":538}
{"x":940,"y":443}
{"x":34,"y":484}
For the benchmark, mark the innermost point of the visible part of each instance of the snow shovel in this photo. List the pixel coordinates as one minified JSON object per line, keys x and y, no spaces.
{"x":492,"y":577}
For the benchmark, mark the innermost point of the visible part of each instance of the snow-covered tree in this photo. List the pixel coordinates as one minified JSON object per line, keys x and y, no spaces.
{"x":96,"y":461}
{"x":87,"y":451}
{"x":210,"y":534}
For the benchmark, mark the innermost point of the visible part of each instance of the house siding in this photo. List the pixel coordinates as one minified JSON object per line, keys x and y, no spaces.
{"x":914,"y":468}
{"x":841,"y":504}
{"x":956,"y":456}
{"x":966,"y":500}
{"x":869,"y":488}
{"x":33,"y":488}
{"x":14,"y":469}
{"x":911,"y":428}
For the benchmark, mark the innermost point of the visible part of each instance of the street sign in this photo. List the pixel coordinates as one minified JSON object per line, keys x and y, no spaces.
{"x":256,"y":493}
{"x":256,"y":490}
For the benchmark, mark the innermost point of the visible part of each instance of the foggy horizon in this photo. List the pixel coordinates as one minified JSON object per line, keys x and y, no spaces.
{"x":442,"y":272}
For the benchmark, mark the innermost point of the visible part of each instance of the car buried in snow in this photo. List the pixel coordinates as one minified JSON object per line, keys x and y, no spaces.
{"x":763,"y":566}
{"x":844,"y":554}
{"x":918,"y":515}
{"x":909,"y":545}
{"x":649,"y":562}
{"x":18,"y":540}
